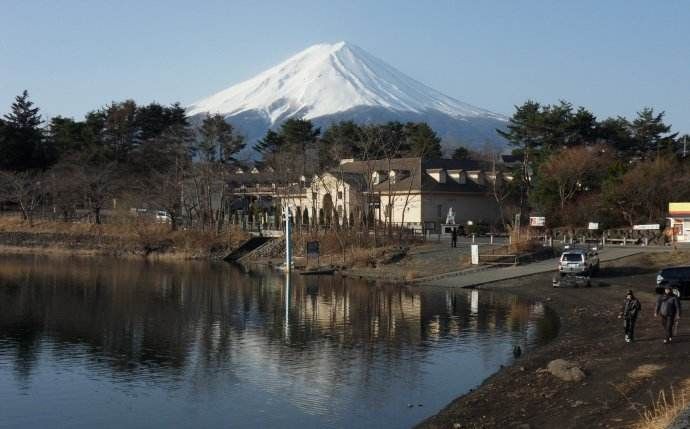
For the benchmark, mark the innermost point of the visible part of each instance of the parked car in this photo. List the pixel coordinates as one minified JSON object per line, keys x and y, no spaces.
{"x":163,"y":216}
{"x":677,"y":278}
{"x":583,"y":262}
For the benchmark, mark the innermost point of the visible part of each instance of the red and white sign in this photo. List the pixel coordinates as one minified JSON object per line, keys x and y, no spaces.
{"x":537,"y":221}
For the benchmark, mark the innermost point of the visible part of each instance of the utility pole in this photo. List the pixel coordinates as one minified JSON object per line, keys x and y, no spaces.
{"x":288,"y":241}
{"x":286,"y":321}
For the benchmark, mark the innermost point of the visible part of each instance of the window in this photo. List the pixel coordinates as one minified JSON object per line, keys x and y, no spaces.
{"x":313,"y":196}
{"x":340,"y":195}
{"x":573,"y":257}
{"x":439,"y":211}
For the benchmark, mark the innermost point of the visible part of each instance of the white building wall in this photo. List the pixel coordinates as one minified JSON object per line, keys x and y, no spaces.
{"x":342,"y":195}
{"x":405,"y":208}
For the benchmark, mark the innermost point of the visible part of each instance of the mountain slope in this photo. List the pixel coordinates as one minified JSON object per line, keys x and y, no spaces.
{"x":332,"y":82}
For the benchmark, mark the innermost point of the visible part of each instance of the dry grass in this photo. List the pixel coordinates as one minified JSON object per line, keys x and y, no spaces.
{"x":645,"y":371}
{"x":665,"y":409}
{"x":126,"y":236}
{"x":676,"y":257}
{"x":363,"y":257}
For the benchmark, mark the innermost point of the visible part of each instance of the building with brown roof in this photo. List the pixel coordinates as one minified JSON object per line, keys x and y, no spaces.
{"x":414,"y":192}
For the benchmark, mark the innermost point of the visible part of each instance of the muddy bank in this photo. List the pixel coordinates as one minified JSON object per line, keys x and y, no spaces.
{"x":620,"y":378}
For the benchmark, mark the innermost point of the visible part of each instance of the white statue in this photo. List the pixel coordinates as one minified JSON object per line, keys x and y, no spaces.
{"x":450,"y":219}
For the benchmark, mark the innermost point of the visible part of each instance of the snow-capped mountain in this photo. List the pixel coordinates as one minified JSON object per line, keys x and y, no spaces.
{"x":327,"y":83}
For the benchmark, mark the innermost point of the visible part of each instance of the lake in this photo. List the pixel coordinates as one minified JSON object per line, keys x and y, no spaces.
{"x":100,"y":342}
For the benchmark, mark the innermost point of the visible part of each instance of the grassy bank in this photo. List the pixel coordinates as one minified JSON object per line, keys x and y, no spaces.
{"x":127,"y":239}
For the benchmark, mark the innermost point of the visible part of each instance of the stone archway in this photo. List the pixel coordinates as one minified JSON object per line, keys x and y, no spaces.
{"x":298,"y":216}
{"x":327,"y":205}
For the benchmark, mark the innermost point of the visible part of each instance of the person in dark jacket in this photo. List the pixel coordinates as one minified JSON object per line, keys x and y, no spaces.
{"x":668,"y":308}
{"x":631,"y":308}
{"x":454,"y":237}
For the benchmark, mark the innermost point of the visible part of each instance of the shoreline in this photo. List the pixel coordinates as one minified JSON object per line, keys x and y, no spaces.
{"x":523,"y":394}
{"x":618,"y":376}
{"x":56,"y":250}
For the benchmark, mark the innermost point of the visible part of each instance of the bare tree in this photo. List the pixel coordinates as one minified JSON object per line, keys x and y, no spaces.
{"x":210,"y":193}
{"x":569,"y":168}
{"x":502,"y":191}
{"x":64,"y":185}
{"x":642,"y":194}
{"x":99,"y":184}
{"x":23,"y":188}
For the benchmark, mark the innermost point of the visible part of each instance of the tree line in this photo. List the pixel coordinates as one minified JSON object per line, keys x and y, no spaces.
{"x":575,"y":169}
{"x":572,"y":168}
{"x":154,"y":156}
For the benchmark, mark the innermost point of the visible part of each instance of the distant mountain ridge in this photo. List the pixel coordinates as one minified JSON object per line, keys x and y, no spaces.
{"x":327,"y":83}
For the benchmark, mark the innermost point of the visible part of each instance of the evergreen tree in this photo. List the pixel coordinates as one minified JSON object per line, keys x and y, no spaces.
{"x":617,"y":133}
{"x":342,"y":140}
{"x":169,"y":152}
{"x":524,"y":128}
{"x":301,"y":139}
{"x":164,"y":133}
{"x":66,"y":135}
{"x":461,"y":153}
{"x":121,"y":133}
{"x":151,"y":120}
{"x":555,"y":127}
{"x":299,"y":134}
{"x":651,"y":134}
{"x":525,"y":132}
{"x":219,"y":142}
{"x":422,"y":141}
{"x":176,"y":115}
{"x":270,"y":144}
{"x":23,"y":146}
{"x":23,"y":114}
{"x":393,"y":141}
{"x":581,"y":128}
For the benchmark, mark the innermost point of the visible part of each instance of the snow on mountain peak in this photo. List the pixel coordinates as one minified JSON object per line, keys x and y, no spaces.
{"x":325,"y":79}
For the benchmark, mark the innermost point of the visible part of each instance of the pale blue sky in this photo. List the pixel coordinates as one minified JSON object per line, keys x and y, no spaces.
{"x":611,"y":56}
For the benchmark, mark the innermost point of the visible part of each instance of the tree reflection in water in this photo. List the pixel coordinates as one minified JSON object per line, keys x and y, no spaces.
{"x":318,"y":349}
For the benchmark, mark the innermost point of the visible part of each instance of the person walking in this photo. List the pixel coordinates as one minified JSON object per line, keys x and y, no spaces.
{"x":668,"y":308}
{"x":454,"y":237}
{"x":631,"y":308}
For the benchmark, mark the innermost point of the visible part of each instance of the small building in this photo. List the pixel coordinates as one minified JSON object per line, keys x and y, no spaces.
{"x":679,"y":221}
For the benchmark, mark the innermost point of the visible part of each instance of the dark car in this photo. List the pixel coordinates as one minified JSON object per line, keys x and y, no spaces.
{"x":677,"y":278}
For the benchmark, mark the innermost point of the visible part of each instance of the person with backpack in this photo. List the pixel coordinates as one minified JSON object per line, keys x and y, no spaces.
{"x":668,"y":308}
{"x":631,"y":308}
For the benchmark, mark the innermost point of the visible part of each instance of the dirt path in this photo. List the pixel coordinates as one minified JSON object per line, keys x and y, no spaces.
{"x":620,"y":378}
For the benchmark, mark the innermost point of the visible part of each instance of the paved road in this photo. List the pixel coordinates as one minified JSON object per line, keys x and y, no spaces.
{"x":482,"y":276}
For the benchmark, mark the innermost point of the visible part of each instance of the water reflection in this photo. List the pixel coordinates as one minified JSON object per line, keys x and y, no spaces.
{"x":208,"y":345}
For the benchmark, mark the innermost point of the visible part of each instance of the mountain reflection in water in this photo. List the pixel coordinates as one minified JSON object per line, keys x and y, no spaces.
{"x":112,"y":343}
